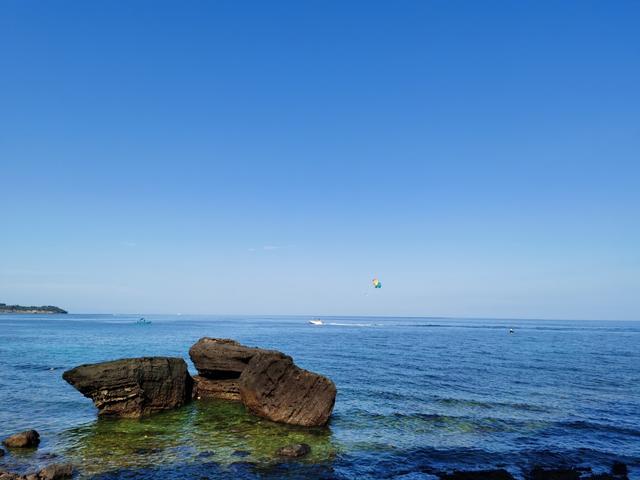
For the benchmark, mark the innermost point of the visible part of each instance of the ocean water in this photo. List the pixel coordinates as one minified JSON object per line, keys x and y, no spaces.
{"x":416,"y":396}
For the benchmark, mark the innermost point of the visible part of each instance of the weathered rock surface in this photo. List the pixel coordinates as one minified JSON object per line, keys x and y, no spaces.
{"x":273,"y":387}
{"x":266,"y":381}
{"x":52,"y":472}
{"x":221,"y":358}
{"x":28,"y":439}
{"x":223,"y":389}
{"x":294,"y":451}
{"x":133,"y":387}
{"x":56,"y":472}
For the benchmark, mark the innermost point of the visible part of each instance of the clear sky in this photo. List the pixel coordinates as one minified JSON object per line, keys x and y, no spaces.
{"x":480,"y":158}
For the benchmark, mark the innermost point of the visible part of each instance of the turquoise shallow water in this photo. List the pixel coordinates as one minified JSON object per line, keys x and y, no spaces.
{"x":415,"y":397}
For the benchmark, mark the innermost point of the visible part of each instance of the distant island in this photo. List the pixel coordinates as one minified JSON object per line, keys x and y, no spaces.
{"x":4,"y":308}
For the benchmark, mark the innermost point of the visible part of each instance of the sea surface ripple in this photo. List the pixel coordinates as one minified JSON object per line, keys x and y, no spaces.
{"x":416,"y":396}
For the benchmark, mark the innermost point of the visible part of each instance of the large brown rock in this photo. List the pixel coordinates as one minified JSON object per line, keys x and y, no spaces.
{"x":221,"y":358}
{"x":133,"y":387}
{"x":271,"y":386}
{"x":224,"y":389}
{"x":28,"y":439}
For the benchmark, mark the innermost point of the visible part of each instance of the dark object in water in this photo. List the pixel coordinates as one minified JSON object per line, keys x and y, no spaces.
{"x":47,"y":456}
{"x":272,"y":386}
{"x":241,"y":453}
{"x":133,"y":387}
{"x":28,"y":439}
{"x":206,"y":454}
{"x":539,"y":473}
{"x":619,"y":469}
{"x":146,"y":450}
{"x":294,"y":451}
{"x":500,"y":474}
{"x":143,"y":321}
{"x":1,"y":452}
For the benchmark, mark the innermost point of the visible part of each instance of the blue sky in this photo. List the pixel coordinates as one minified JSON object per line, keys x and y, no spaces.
{"x":480,"y":158}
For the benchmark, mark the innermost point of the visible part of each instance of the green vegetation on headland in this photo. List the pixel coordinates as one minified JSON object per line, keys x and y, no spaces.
{"x":4,"y":308}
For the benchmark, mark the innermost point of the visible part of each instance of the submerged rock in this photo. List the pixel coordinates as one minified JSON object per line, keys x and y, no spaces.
{"x":56,"y":471}
{"x":241,"y":453}
{"x":271,"y":386}
{"x":133,"y":387}
{"x":28,"y":439}
{"x":221,"y":358}
{"x":539,"y":473}
{"x":1,"y":453}
{"x":206,"y":454}
{"x":619,"y":469}
{"x":10,"y":476}
{"x":294,"y":451}
{"x":223,"y":389}
{"x":500,"y":474}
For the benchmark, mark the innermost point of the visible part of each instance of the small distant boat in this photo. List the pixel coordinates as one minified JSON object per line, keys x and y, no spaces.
{"x":143,"y":321}
{"x":511,"y":330}
{"x":316,"y":321}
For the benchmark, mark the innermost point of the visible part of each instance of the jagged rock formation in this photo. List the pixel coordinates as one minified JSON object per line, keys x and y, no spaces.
{"x":266,"y":381}
{"x":133,"y":387}
{"x":220,"y":362}
{"x":272,"y":386}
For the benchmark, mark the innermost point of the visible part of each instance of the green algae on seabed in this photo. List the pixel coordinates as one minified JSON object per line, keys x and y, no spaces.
{"x":203,"y":431}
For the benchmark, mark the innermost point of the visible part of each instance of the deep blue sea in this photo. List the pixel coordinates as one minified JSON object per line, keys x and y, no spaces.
{"x":416,"y":396}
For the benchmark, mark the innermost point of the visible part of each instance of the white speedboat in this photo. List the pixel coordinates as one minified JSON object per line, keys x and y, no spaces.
{"x":316,"y":321}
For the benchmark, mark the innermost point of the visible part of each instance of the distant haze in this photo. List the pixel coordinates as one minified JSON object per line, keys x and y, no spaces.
{"x":480,"y":159}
